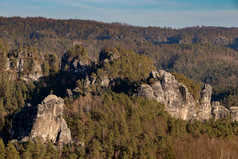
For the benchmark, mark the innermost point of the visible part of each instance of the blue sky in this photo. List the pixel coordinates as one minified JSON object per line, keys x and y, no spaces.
{"x":161,"y":13}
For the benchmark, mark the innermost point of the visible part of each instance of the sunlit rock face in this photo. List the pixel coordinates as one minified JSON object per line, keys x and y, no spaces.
{"x":178,"y":101}
{"x":44,"y":121}
{"x":205,"y":108}
{"x":234,"y":113}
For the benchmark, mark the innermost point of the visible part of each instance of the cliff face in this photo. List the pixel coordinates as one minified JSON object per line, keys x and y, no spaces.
{"x":26,"y":65}
{"x":204,"y":110}
{"x":180,"y":103}
{"x":44,"y":121}
{"x":175,"y":96}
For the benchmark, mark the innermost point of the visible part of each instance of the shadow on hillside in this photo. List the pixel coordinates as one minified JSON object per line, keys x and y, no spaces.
{"x":170,"y":40}
{"x":54,"y":84}
{"x":234,"y":45}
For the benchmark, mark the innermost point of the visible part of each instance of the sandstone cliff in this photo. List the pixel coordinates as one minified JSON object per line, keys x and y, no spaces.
{"x":176,"y":97}
{"x":180,"y":103}
{"x":44,"y":121}
{"x":25,"y":64}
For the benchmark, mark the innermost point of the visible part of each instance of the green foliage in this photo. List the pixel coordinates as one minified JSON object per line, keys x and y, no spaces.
{"x":193,"y":87}
{"x":3,"y":54}
{"x":45,"y":69}
{"x":77,"y":52}
{"x":129,"y":66}
{"x":2,"y":150}
{"x":226,"y":95}
{"x":13,"y":93}
{"x":117,"y":126}
{"x":11,"y":152}
{"x":121,"y":126}
{"x":53,"y":63}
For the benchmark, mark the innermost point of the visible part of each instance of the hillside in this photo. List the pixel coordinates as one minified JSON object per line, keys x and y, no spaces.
{"x":205,"y":54}
{"x":116,"y":91}
{"x":109,"y":115}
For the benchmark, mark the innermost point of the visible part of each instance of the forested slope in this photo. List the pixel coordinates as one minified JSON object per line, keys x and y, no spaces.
{"x":111,"y":122}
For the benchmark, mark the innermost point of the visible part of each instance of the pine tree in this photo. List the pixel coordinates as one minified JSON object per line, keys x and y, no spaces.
{"x":45,"y":68}
{"x":2,"y":112}
{"x":11,"y":152}
{"x":53,"y":63}
{"x":2,"y":150}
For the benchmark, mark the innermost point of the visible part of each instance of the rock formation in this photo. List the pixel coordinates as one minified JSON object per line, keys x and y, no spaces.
{"x":26,"y":65}
{"x":179,"y":102}
{"x":167,"y":90}
{"x":76,"y":61}
{"x":204,"y":110}
{"x":234,"y":113}
{"x":219,"y":111}
{"x":44,"y":121}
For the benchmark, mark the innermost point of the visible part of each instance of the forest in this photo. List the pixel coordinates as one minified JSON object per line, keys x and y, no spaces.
{"x":117,"y":124}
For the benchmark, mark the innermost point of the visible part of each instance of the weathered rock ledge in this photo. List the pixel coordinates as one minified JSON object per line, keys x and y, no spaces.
{"x":44,"y":121}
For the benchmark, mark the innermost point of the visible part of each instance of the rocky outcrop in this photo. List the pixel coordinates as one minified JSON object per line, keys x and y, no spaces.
{"x":204,"y":110}
{"x":35,"y":73}
{"x":234,"y":113}
{"x":167,"y":90}
{"x":179,"y":102}
{"x":219,"y":111}
{"x":44,"y":121}
{"x":25,"y":65}
{"x":78,"y":66}
{"x":108,"y":55}
{"x":75,"y":61}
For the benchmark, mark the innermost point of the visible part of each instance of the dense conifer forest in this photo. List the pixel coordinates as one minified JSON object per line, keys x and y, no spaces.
{"x":112,"y":122}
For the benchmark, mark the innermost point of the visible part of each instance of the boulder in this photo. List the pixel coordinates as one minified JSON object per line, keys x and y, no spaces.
{"x":219,"y":111}
{"x":44,"y":121}
{"x":146,"y":91}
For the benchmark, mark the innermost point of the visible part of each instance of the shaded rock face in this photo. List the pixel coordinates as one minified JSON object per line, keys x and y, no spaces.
{"x":110,"y":56}
{"x":44,"y":121}
{"x":167,"y":90}
{"x":76,"y":65}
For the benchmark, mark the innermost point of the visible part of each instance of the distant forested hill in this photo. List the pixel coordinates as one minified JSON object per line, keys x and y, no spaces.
{"x":58,"y":35}
{"x":205,"y":54}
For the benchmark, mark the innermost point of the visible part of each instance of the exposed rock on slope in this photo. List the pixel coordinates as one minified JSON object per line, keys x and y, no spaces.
{"x":25,"y":64}
{"x":44,"y":121}
{"x":176,"y":97}
{"x":234,"y":113}
{"x":180,"y":103}
{"x":204,"y":110}
{"x":218,"y":111}
{"x":76,"y":60}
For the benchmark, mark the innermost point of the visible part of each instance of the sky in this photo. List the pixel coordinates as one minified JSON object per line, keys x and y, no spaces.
{"x":160,"y":13}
